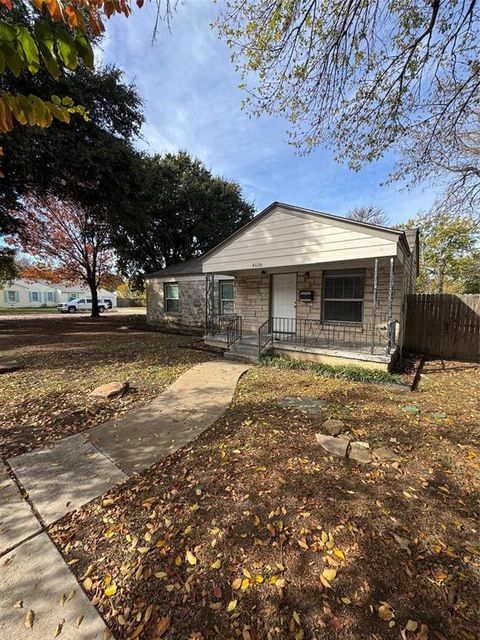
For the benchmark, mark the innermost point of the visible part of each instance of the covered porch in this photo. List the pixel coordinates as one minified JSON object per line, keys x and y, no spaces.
{"x":334,"y":312}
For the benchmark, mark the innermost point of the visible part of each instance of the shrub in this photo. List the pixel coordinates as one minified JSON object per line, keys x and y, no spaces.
{"x":347,"y":372}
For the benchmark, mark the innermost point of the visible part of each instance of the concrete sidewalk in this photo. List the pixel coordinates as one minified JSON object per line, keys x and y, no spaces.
{"x":69,"y":473}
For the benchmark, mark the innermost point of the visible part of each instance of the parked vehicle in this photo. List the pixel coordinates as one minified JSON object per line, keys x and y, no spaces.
{"x":84,"y":304}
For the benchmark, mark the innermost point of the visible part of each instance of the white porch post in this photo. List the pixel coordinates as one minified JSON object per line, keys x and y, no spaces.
{"x":374,"y":303}
{"x":390,"y":307}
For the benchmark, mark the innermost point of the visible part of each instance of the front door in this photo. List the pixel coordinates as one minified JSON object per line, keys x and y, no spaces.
{"x":284,"y":296}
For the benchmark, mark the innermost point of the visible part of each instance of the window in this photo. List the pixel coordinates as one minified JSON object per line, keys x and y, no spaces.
{"x":11,"y":296}
{"x":82,"y":301}
{"x":73,"y":296}
{"x":227,"y":295}
{"x":34,"y":296}
{"x":89,"y":301}
{"x":49,"y":296}
{"x":171,"y":297}
{"x":343,"y":297}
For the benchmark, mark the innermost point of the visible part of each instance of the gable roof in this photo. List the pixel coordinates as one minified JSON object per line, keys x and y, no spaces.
{"x":186,"y":268}
{"x":317,"y":214}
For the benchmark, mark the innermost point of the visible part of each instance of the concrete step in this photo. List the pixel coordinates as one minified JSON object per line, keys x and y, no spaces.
{"x":240,"y":357}
{"x":244,"y":348}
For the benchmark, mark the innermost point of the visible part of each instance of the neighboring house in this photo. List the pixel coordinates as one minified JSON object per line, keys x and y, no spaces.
{"x":176,"y":295}
{"x":307,"y":284}
{"x":21,"y":293}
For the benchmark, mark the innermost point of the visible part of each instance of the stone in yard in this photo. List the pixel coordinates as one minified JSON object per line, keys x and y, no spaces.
{"x":385,"y":454}
{"x":110,"y":390}
{"x":334,"y":427}
{"x":311,"y":405}
{"x":8,"y":367}
{"x":359,"y":452}
{"x":335,"y":446}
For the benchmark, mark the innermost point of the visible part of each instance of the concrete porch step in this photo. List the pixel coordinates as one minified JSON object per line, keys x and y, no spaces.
{"x":240,"y":357}
{"x":241,"y":347}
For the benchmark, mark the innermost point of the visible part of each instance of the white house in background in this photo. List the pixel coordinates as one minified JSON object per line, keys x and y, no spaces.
{"x":21,"y":294}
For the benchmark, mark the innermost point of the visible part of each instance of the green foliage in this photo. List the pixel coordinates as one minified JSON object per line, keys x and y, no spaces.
{"x":8,"y":268}
{"x":450,"y":252}
{"x":27,"y":45}
{"x":347,"y":372}
{"x":92,"y":161}
{"x":180,"y":211}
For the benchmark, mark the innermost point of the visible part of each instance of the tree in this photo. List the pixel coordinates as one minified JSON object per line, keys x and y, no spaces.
{"x":370,"y":214}
{"x":181,"y":211}
{"x":68,"y":243}
{"x":8,"y":268}
{"x":58,"y":35}
{"x":449,"y":251}
{"x":365,"y":76}
{"x":90,"y":162}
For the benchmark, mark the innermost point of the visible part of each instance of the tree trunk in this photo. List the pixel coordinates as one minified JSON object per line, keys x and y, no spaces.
{"x":94,"y":293}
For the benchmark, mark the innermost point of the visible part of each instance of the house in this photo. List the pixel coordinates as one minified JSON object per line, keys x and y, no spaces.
{"x":23,"y":294}
{"x":176,"y":295}
{"x":307,"y":284}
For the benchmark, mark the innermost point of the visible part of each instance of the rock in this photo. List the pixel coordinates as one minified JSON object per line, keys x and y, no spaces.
{"x":333,"y":427}
{"x":385,"y":454}
{"x":359,"y":452}
{"x":110,"y":390}
{"x":8,"y":367}
{"x":335,"y":446}
{"x":309,"y":404}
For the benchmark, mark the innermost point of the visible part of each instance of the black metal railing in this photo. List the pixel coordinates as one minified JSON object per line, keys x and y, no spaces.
{"x":229,"y":325}
{"x":265,"y":336}
{"x":366,"y":337}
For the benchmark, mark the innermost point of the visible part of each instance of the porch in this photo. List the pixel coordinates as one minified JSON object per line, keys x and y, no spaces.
{"x":370,"y":344}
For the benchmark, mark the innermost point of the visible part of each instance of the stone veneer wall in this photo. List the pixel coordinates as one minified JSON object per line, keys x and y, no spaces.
{"x":252,"y":300}
{"x":252,"y":296}
{"x":191,"y":293}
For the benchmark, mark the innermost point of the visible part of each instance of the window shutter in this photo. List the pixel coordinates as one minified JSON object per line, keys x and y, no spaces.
{"x":17,"y":296}
{"x":29,"y":296}
{"x":5,"y":296}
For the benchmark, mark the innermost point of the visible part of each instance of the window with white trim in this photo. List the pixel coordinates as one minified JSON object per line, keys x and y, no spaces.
{"x":49,"y":296}
{"x":11,"y":296}
{"x":35,"y":296}
{"x":227,"y":296}
{"x":171,"y":297}
{"x":343,"y":296}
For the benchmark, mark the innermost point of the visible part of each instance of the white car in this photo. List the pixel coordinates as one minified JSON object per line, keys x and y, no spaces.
{"x":83,"y":304}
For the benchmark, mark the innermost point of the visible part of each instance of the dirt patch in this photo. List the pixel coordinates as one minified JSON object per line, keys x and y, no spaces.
{"x":254,"y":532}
{"x":65,"y":358}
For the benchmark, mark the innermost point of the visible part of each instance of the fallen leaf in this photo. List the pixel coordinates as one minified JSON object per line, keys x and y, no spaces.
{"x":231,"y":605}
{"x":78,"y":621}
{"x":385,"y":611}
{"x":111,"y":590}
{"x":329,"y":574}
{"x":29,"y":618}
{"x":216,"y":565}
{"x":191,"y":559}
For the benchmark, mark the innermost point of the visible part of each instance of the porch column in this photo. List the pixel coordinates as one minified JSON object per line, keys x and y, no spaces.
{"x":390,"y":307}
{"x":209,"y":304}
{"x":374,"y":303}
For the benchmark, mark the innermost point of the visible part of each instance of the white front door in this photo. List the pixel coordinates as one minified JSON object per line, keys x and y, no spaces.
{"x":284,"y":296}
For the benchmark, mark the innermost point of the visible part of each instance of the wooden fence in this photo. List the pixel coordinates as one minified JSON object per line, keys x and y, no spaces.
{"x":444,"y":325}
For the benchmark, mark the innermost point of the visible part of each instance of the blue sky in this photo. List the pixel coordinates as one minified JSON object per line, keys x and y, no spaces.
{"x":192,"y":102}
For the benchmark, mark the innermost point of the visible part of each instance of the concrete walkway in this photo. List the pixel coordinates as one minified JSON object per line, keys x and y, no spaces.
{"x":69,"y":473}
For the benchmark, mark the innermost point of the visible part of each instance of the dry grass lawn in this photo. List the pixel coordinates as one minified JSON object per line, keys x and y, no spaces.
{"x":65,"y":359}
{"x":253,"y":532}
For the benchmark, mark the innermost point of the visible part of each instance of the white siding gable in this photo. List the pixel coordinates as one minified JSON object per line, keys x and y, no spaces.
{"x":288,"y":238}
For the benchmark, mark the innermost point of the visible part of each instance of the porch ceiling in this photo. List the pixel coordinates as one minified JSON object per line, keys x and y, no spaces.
{"x":316,"y":266}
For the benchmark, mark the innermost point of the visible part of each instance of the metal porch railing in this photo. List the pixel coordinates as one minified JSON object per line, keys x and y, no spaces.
{"x":364,"y":337}
{"x":229,"y":325}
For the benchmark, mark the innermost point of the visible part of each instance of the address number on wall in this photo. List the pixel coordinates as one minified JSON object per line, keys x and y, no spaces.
{"x":257,"y":265}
